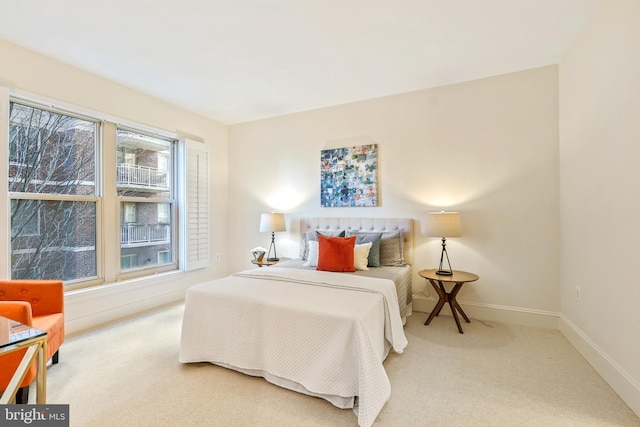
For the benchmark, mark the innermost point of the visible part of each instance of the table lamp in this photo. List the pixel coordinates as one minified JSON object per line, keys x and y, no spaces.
{"x":444,"y":224}
{"x":272,"y":222}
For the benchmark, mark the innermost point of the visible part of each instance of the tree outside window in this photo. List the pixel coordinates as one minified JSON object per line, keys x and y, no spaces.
{"x":52,"y":191}
{"x":55,"y":188}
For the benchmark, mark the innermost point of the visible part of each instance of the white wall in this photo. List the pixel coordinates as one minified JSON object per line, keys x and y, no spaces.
{"x":600,"y":195}
{"x":488,"y":148}
{"x":28,"y":73}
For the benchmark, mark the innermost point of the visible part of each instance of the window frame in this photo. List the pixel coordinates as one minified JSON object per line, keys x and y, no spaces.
{"x":94,"y":198}
{"x":105,"y":194}
{"x":171,"y":201}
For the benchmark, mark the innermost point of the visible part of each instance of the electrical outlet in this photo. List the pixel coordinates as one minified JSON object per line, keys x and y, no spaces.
{"x":578,"y":291}
{"x":217,"y":257}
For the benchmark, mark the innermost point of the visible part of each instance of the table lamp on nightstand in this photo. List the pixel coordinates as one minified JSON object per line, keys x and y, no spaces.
{"x":272,"y":222}
{"x":444,"y":224}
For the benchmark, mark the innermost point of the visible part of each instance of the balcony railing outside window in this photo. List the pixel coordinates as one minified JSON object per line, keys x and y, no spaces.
{"x":137,"y":234}
{"x":141,"y":176}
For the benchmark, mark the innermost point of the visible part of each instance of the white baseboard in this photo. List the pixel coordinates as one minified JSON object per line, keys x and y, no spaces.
{"x":620,"y":381}
{"x":493,"y":313}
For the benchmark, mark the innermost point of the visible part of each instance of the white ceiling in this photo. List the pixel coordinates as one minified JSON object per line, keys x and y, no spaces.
{"x":241,"y":60}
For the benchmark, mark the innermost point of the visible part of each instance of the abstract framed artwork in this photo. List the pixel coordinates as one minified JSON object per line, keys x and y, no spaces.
{"x":348,"y":176}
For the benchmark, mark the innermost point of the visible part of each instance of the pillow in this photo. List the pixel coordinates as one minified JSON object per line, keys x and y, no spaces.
{"x":361,"y":256}
{"x":312,"y":258}
{"x":336,"y":253}
{"x":312,"y":236}
{"x":391,"y":248}
{"x":374,"y":238}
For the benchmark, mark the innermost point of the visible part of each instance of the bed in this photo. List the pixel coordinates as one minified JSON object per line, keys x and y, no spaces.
{"x":320,"y":333}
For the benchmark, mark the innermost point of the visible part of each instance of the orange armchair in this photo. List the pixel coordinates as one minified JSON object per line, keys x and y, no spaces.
{"x":37,"y":303}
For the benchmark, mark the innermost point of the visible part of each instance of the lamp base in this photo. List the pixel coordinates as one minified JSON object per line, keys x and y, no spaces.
{"x":273,"y":258}
{"x":441,"y":271}
{"x":444,"y":273}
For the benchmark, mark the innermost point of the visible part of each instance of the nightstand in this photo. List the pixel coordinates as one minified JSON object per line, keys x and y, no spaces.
{"x":264,"y":263}
{"x":437,"y":281}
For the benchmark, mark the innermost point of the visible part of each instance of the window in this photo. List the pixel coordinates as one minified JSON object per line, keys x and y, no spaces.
{"x":164,"y":257}
{"x":146,"y":193}
{"x":58,"y":195}
{"x":128,"y":261}
{"x":163,"y":213}
{"x":52,"y":192}
{"x":129,"y":213}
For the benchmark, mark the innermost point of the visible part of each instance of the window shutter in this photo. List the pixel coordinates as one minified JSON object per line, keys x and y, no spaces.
{"x":196,"y":197}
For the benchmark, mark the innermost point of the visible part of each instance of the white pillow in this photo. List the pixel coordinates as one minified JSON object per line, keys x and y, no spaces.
{"x":312,"y":256}
{"x":361,"y":256}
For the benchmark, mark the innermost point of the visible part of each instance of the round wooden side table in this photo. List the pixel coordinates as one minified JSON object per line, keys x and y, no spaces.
{"x":264,"y":262}
{"x":438,"y":281}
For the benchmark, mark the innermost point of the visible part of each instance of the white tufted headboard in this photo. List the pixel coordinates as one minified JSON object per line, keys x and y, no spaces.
{"x":362,"y":224}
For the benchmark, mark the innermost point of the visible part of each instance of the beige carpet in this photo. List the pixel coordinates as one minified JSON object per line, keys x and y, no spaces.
{"x":128,"y":374}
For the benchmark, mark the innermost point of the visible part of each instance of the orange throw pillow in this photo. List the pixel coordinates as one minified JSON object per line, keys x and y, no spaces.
{"x":336,"y":253}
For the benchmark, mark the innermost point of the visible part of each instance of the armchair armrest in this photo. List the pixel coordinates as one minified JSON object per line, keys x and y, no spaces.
{"x":20,"y":311}
{"x":45,"y":296}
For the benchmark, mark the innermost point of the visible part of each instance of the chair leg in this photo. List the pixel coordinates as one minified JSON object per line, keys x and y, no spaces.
{"x":54,"y":358}
{"x":22,"y":395}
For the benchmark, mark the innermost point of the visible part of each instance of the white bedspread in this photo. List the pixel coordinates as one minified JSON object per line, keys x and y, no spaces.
{"x":319,"y":333}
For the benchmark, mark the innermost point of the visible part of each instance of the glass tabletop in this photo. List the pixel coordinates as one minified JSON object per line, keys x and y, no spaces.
{"x":12,"y":332}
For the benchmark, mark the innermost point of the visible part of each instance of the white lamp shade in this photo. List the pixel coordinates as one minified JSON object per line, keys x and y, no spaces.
{"x":444,"y":224}
{"x":272,"y":222}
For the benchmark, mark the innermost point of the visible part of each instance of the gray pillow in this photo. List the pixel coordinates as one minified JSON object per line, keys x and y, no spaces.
{"x":312,"y":235}
{"x":391,"y":248}
{"x":375,"y":239}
